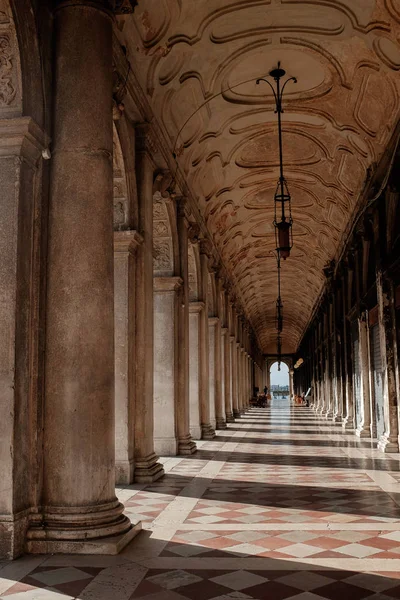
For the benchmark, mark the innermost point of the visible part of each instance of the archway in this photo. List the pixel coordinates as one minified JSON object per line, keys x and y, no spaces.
{"x":279,"y":377}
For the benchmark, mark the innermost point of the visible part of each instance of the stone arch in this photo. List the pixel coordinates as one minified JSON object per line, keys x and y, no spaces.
{"x":120,"y":188}
{"x":193,"y":260}
{"x":23,"y":60}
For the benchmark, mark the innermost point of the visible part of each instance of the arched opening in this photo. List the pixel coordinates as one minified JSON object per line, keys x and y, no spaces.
{"x":279,"y":382}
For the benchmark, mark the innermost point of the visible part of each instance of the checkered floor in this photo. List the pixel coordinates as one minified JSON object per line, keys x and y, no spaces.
{"x":280,"y":505}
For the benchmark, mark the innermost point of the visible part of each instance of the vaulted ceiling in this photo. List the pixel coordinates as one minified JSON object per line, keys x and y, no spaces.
{"x":197,"y":62}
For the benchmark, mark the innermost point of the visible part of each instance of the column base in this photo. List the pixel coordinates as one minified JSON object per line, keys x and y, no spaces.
{"x":363,"y":432}
{"x":186,"y":446}
{"x":230,"y":418}
{"x":107,"y":545}
{"x":12,"y":535}
{"x":347,"y":423}
{"x":221,"y":424}
{"x":207,"y":432}
{"x":236,"y":414}
{"x":148,"y":469}
{"x":99,"y":529}
{"x":166,"y":446}
{"x":337,"y":419}
{"x":124,"y":472}
{"x":385,"y":444}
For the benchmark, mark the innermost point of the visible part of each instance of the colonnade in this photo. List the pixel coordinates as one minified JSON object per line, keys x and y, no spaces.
{"x":106,"y":361}
{"x":351,"y":349}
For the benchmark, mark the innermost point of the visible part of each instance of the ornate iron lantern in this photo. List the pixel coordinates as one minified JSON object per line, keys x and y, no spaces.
{"x":283,"y":207}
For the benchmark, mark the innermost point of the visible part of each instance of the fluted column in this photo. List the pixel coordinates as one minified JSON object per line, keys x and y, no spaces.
{"x":147,"y":467}
{"x":125,"y":245}
{"x":80,"y":512}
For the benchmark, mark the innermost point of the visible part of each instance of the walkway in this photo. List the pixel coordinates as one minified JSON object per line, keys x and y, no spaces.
{"x":280,"y":505}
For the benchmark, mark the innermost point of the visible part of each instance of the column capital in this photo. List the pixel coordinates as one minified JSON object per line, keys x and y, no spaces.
{"x":167,"y":284}
{"x":205,"y":247}
{"x":232,"y":338}
{"x":194,"y":233}
{"x":213,"y":321}
{"x":22,"y":137}
{"x":224,"y":330}
{"x":127,"y":241}
{"x":196,"y":307}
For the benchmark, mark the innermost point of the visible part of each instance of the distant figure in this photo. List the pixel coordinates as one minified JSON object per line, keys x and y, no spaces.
{"x":265,"y":390}
{"x":256,"y":390}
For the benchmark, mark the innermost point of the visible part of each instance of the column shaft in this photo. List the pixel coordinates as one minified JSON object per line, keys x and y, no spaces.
{"x":125,"y":244}
{"x":186,"y":445}
{"x":79,"y":504}
{"x":147,"y":469}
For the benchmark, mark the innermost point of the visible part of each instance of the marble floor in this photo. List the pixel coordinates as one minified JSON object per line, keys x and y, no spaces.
{"x":280,"y":505}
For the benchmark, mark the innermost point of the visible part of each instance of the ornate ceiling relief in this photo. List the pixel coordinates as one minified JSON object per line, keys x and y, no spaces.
{"x":198,"y":62}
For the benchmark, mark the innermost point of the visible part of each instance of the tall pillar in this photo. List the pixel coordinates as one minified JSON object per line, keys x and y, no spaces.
{"x":239,"y":377}
{"x":186,"y":445}
{"x":235,"y":401}
{"x":348,"y":416}
{"x":207,"y":430}
{"x":389,"y":440}
{"x":79,"y":511}
{"x":147,"y":467}
{"x":218,"y":365}
{"x":195,"y":308}
{"x":364,"y":418}
{"x":21,"y":144}
{"x":125,"y":245}
{"x":227,"y":375}
{"x":291,"y":388}
{"x":212,"y":353}
{"x":166,"y":309}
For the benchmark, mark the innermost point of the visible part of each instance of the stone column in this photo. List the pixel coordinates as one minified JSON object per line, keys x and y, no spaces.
{"x":166,"y":308}
{"x":389,"y":440}
{"x":242,"y":375}
{"x":195,"y":308}
{"x":79,"y":511}
{"x":227,"y":375}
{"x":348,"y":419}
{"x":291,"y":388}
{"x":219,"y":400}
{"x":125,"y":245}
{"x":364,"y":426}
{"x":186,"y":445}
{"x":207,"y":430}
{"x":147,"y":467}
{"x":21,"y":144}
{"x":239,"y":363}
{"x":212,"y":353}
{"x":235,"y":401}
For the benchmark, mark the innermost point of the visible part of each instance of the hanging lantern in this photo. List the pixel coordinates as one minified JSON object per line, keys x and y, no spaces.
{"x":283,"y":214}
